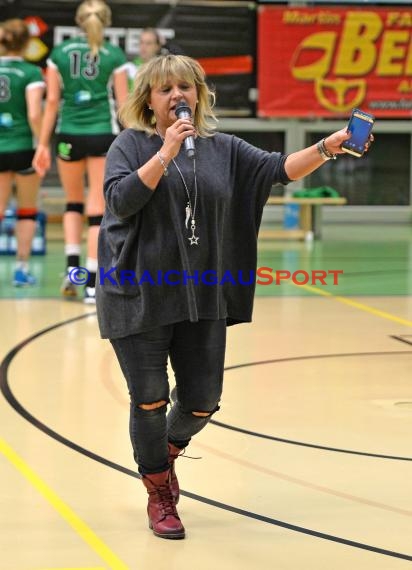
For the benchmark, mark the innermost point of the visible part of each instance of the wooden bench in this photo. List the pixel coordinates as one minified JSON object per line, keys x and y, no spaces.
{"x":310,"y":216}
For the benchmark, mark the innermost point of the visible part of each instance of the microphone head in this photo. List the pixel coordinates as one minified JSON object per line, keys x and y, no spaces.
{"x":183,"y":110}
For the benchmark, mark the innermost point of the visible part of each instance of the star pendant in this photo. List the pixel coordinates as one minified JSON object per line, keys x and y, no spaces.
{"x":193,"y":240}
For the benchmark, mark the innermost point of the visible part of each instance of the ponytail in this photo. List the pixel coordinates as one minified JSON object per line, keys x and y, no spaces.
{"x":93,"y":16}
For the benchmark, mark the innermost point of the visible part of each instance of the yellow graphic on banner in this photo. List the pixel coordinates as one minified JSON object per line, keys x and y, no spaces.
{"x":323,"y":42}
{"x":405,"y":86}
{"x":340,"y":87}
{"x":340,"y":61}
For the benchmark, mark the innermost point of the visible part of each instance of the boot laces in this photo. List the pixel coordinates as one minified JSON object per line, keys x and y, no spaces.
{"x":182,"y":453}
{"x":166,"y":501}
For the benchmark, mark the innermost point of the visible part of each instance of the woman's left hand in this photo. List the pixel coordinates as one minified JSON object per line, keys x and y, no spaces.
{"x":333,"y":142}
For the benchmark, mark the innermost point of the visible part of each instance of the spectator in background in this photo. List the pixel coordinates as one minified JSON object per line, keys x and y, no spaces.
{"x":150,"y":45}
{"x":21,"y":93}
{"x":80,"y":76}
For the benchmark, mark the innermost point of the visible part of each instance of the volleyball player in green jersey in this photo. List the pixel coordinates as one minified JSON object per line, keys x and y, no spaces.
{"x":21,"y":93}
{"x":81,"y":76}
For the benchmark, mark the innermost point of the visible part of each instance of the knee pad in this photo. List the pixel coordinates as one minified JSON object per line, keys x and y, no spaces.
{"x":94,"y":220}
{"x":75,"y":207}
{"x":26,"y":213}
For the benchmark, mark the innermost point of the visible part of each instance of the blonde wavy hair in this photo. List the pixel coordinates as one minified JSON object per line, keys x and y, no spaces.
{"x":135,"y":112}
{"x":93,"y":16}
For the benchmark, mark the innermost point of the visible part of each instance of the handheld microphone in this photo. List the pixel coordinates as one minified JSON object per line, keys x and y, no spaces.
{"x":183,"y":111}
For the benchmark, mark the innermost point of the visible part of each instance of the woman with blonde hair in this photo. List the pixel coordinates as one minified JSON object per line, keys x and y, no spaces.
{"x":177,"y":255}
{"x":21,"y":93}
{"x":82,"y":73}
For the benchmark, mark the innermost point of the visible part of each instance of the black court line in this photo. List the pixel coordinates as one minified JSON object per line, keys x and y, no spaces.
{"x":403,"y":338}
{"x":302,"y":443}
{"x":15,"y":404}
{"x":311,"y":445}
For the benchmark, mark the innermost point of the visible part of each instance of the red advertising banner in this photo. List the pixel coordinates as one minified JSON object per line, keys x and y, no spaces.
{"x":322,"y":62}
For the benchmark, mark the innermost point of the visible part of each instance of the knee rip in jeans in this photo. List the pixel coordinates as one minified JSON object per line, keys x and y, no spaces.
{"x":153,"y":406}
{"x":205,"y":414}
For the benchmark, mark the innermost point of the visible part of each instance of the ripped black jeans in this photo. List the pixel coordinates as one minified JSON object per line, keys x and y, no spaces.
{"x":197,"y":353}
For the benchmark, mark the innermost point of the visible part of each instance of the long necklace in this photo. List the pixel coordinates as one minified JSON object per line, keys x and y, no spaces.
{"x":190,"y":212}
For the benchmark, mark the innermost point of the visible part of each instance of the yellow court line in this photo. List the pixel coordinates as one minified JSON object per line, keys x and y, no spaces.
{"x":80,"y":527}
{"x":357,"y":305}
{"x":94,"y":568}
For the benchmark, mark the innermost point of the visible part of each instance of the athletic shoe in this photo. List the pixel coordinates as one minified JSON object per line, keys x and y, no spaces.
{"x":68,"y":289}
{"x":23,"y":278}
{"x":89,"y":296}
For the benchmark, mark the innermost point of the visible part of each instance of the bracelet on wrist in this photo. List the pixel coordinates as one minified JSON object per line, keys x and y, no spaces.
{"x":163,"y":163}
{"x":323,"y":151}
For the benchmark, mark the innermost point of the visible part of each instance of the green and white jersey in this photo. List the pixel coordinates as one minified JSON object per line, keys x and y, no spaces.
{"x":87,"y":104}
{"x":16,"y":77}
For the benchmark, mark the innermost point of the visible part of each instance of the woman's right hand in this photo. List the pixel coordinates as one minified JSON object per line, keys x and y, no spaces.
{"x":175,"y":135}
{"x":41,"y":160}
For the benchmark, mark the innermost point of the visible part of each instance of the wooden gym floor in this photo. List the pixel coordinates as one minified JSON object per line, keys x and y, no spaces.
{"x":307,"y":466}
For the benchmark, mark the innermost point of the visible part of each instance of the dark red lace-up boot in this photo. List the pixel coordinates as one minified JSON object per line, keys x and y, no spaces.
{"x":161,"y":508}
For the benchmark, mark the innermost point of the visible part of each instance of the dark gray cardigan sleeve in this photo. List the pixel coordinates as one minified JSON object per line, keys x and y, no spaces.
{"x":124,"y":192}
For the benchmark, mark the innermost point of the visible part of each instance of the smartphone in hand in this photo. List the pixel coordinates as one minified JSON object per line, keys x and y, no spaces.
{"x":360,"y":125}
